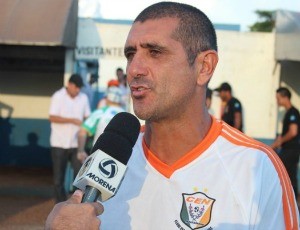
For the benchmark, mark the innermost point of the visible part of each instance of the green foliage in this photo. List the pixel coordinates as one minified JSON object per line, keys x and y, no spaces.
{"x":266,"y":21}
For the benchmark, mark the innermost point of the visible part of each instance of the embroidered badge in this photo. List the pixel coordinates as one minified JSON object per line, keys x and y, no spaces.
{"x":196,"y":210}
{"x":292,"y":118}
{"x":236,"y":105}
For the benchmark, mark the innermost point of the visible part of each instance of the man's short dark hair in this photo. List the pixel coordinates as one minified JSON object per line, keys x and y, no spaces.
{"x":195,"y":31}
{"x":284,"y":92}
{"x":224,"y":87}
{"x":208,"y":93}
{"x":76,"y":80}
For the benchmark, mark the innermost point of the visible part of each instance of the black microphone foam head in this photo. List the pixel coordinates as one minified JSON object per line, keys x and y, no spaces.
{"x":119,"y":137}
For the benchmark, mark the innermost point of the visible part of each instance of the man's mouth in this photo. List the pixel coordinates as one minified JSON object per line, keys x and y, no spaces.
{"x":139,"y":91}
{"x":140,"y":88}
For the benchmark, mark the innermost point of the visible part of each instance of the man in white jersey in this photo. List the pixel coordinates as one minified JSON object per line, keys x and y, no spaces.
{"x":69,"y":107}
{"x":188,"y":170}
{"x":95,"y":124}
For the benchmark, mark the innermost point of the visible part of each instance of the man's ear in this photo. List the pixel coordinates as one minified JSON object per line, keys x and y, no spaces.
{"x":206,"y":64}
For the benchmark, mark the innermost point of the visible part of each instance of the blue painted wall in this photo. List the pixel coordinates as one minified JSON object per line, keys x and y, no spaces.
{"x":25,"y":142}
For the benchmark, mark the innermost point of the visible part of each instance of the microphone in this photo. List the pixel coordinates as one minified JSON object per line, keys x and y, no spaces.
{"x":103,"y":171}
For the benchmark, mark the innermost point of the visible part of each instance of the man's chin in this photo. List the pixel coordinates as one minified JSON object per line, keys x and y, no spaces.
{"x":142,"y":115}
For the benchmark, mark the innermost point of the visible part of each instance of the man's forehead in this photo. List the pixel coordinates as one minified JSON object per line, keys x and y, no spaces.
{"x":169,"y":22}
{"x":152,"y":29}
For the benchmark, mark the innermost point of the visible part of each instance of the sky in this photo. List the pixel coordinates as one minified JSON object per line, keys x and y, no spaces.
{"x":240,"y":12}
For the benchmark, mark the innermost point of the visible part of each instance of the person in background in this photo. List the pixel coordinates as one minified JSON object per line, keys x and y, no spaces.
{"x":289,"y":140}
{"x":90,"y":89}
{"x":188,"y":170}
{"x":122,"y":78}
{"x":231,"y":108}
{"x":208,"y":98}
{"x":68,"y":108}
{"x":95,"y":124}
{"x":110,"y":83}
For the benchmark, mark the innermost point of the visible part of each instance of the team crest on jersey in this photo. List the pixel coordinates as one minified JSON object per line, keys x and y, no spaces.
{"x":196,"y":210}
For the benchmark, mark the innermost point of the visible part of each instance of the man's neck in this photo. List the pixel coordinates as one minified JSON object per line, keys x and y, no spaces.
{"x":228,"y":98}
{"x":288,"y":105}
{"x":171,"y":141}
{"x":68,"y":92}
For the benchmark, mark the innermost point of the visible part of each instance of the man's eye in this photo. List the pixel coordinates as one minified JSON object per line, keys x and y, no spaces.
{"x":129,"y":56}
{"x":155,"y":52}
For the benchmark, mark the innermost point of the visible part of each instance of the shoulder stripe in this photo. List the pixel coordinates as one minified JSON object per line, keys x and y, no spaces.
{"x":289,"y":206}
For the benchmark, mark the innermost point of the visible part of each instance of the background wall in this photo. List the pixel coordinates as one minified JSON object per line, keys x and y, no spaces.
{"x":246,"y":61}
{"x":24,"y":124}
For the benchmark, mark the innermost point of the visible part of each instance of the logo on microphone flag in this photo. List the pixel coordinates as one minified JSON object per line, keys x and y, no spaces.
{"x":196,"y":210}
{"x":108,"y":168}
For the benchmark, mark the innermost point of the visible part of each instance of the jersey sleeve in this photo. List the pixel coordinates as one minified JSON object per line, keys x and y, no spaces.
{"x":55,"y":105}
{"x":90,"y":124}
{"x":271,"y":211}
{"x":293,"y":117}
{"x":237,"y":106}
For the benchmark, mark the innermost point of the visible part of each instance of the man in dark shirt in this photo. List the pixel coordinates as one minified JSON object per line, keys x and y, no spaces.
{"x":208,"y":98}
{"x":289,"y":140}
{"x":232,"y":107}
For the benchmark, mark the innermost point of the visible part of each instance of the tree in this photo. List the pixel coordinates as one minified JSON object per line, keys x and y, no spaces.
{"x":266,"y":22}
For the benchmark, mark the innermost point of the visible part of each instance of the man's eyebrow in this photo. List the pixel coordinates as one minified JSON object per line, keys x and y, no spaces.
{"x":145,"y":46}
{"x":153,"y":46}
{"x":129,"y":49}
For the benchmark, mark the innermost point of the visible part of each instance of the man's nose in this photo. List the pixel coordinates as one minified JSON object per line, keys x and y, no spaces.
{"x":137,"y":67}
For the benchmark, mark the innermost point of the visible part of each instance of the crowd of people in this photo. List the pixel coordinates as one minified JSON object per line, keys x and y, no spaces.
{"x":188,"y":169}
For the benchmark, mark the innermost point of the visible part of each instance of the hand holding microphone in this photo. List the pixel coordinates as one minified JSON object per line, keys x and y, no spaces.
{"x":71,"y":214}
{"x":100,"y":176}
{"x":102,"y":172}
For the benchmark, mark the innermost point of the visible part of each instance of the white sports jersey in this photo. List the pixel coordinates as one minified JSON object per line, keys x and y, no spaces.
{"x":229,"y":181}
{"x":99,"y":119}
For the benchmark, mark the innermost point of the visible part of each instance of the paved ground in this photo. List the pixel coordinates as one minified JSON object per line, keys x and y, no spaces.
{"x":25,"y":198}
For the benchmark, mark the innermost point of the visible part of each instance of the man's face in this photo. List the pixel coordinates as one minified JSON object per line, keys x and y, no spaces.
{"x":120,"y":75}
{"x":280,"y":99}
{"x":225,"y":95}
{"x":72,"y":89}
{"x":160,"y":78}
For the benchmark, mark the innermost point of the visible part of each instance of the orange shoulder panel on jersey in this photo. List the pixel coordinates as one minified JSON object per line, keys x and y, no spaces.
{"x":142,"y":129}
{"x":168,"y":170}
{"x":289,"y":207}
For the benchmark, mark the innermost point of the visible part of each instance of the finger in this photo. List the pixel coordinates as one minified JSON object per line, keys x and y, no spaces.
{"x":76,"y":197}
{"x":98,"y":208}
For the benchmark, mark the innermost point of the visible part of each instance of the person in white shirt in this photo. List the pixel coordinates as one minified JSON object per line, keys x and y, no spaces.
{"x":68,"y":108}
{"x":188,"y":170}
{"x":95,"y":124}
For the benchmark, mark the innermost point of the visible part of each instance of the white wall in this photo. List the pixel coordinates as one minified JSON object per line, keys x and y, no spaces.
{"x":246,"y":61}
{"x":104,"y":41}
